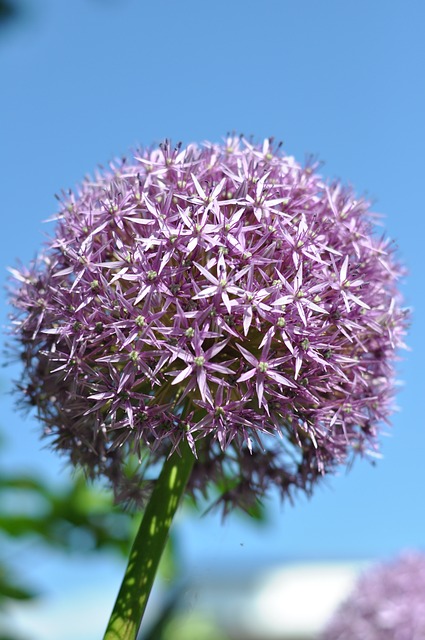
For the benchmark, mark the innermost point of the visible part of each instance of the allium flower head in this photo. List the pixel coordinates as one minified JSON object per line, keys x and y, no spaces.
{"x":386,"y":604}
{"x":221,"y":294}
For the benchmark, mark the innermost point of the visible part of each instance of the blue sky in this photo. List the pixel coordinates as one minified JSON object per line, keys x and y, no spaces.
{"x":85,"y":81}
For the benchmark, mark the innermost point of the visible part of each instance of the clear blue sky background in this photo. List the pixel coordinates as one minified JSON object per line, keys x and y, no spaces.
{"x":86,"y":80}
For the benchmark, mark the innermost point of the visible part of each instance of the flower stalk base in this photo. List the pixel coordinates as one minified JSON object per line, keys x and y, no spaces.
{"x":148,"y":546}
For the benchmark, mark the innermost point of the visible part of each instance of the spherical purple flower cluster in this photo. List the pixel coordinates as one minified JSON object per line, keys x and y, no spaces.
{"x":223,"y":295}
{"x":386,"y":604}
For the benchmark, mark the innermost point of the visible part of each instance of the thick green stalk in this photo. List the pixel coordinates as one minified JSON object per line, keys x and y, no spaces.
{"x":148,"y":546}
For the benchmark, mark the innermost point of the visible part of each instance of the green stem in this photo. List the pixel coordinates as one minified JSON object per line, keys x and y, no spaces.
{"x":148,"y":546}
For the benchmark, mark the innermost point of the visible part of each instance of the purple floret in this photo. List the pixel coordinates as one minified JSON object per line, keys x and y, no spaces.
{"x":386,"y":604}
{"x":220,"y":294}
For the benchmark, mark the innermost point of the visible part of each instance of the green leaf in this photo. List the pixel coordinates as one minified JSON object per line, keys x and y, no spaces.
{"x":11,"y":590}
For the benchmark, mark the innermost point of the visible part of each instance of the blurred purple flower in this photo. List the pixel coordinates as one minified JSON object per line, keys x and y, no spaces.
{"x":386,"y":604}
{"x":219,"y":294}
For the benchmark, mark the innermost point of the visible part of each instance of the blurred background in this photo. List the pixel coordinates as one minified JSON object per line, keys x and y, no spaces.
{"x":85,"y":81}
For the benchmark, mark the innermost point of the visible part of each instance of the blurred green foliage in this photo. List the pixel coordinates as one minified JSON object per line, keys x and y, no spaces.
{"x":73,"y":517}
{"x":79,"y":517}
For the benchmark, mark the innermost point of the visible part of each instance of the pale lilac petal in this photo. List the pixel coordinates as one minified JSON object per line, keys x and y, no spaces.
{"x":247,"y":355}
{"x":182,"y":375}
{"x":246,"y":376}
{"x":280,"y":379}
{"x":247,"y":319}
